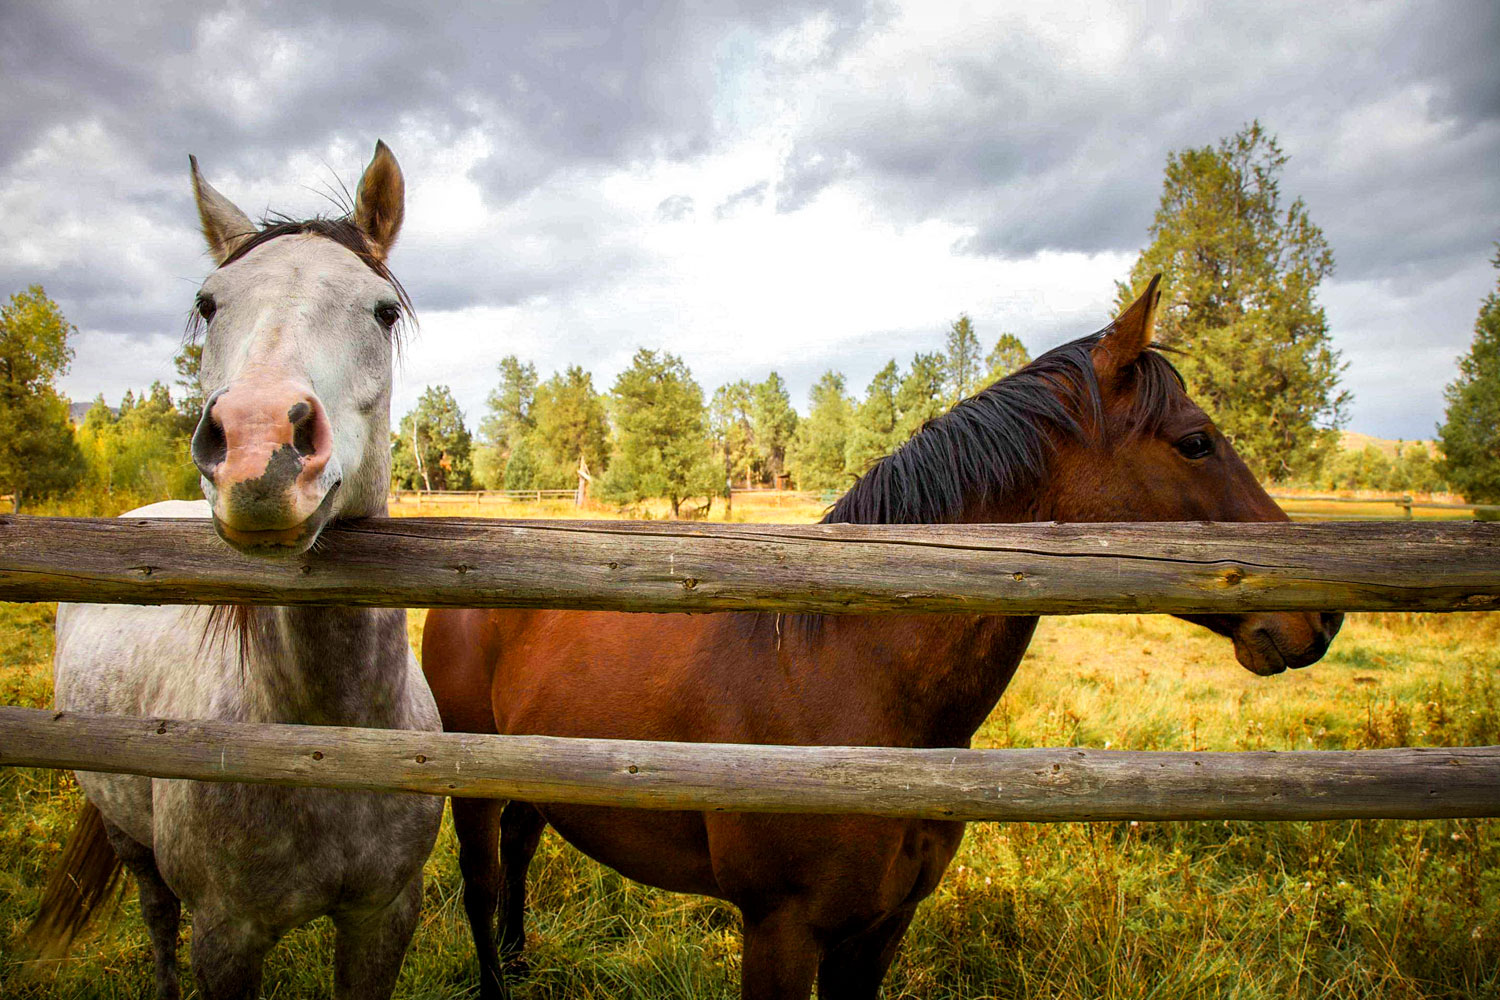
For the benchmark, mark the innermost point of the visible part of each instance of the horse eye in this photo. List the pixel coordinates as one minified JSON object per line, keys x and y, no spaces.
{"x":387,"y":313}
{"x":1196,"y":446}
{"x":207,"y":307}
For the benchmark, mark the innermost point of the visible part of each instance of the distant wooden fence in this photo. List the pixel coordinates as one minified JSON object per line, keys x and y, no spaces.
{"x":1404,"y":501}
{"x":478,"y":497}
{"x":655,"y":566}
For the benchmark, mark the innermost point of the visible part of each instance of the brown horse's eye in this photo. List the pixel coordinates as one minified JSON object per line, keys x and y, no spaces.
{"x":1196,"y":446}
{"x":387,"y":313}
{"x":206,"y":307}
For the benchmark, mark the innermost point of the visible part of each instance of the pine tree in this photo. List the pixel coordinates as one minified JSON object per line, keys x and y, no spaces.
{"x":731,"y":426}
{"x":920,"y":396}
{"x":661,"y":439}
{"x":1008,"y":355}
{"x":1470,"y":432}
{"x":875,"y":432}
{"x":816,"y":456}
{"x":962,"y":360}
{"x":431,"y":448}
{"x":1240,"y":276}
{"x":38,"y":456}
{"x":506,"y":421}
{"x":773,"y":422}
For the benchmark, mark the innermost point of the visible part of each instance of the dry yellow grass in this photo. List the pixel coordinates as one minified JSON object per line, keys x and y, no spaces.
{"x":1073,"y":911}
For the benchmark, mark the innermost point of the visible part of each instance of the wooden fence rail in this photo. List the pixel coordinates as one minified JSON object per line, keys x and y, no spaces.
{"x":838,"y":568}
{"x":1058,"y":785}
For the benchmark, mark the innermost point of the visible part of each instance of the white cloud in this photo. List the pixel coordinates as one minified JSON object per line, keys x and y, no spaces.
{"x":922,"y":160}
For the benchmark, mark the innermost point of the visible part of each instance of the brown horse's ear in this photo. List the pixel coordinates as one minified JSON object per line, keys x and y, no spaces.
{"x":1129,"y":334}
{"x":224,"y":226}
{"x":380,"y":201}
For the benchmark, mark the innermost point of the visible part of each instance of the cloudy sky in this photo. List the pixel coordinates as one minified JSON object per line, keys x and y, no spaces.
{"x":794,"y":186}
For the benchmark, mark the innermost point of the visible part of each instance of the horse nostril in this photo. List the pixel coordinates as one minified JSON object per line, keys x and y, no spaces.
{"x":208,"y":447}
{"x":304,"y":422}
{"x":1331,"y":621}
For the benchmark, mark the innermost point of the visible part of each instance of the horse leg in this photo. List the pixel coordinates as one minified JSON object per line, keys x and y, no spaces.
{"x":228,"y":955}
{"x":780,"y":959}
{"x":477,"y":824}
{"x":521,"y":827}
{"x":160,"y":908}
{"x":369,"y":947}
{"x":855,"y":968}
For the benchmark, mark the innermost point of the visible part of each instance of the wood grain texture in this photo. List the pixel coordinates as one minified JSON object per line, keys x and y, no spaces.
{"x":1015,"y":785}
{"x":838,"y":568}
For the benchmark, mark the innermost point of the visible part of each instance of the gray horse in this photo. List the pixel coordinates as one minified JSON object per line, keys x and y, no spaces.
{"x":300,"y":323}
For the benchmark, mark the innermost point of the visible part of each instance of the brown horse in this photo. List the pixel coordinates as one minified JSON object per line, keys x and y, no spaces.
{"x":1096,"y":430}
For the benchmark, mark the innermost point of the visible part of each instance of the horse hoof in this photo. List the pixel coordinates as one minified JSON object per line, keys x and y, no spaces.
{"x":516,"y":966}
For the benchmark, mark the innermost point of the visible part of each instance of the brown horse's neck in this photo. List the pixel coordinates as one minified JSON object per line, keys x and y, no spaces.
{"x":942,"y":675}
{"x":961,"y":665}
{"x":324,"y":666}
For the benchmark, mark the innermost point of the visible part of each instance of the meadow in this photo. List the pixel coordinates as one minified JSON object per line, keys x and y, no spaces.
{"x":1228,"y":909}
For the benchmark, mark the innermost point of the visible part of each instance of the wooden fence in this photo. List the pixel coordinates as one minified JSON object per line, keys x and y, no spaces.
{"x":1017,"y":785}
{"x":1020,"y":569}
{"x":835,"y":568}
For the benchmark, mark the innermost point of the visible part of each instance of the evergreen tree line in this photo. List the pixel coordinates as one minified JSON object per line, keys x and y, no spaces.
{"x":653,"y":434}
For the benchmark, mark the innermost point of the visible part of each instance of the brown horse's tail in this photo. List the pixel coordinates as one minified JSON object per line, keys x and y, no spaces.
{"x":85,"y":878}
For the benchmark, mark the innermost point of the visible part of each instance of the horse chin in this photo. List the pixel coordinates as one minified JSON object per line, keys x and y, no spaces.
{"x":1259,"y":654}
{"x":279,"y":542}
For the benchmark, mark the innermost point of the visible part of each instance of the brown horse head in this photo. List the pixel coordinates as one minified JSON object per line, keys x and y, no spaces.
{"x":1099,"y":429}
{"x":1152,"y":454}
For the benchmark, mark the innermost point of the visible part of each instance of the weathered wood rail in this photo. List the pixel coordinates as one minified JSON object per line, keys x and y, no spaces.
{"x":838,"y":568}
{"x":1059,"y":785}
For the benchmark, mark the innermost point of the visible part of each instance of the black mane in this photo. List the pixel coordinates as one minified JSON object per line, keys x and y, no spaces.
{"x":997,"y":442}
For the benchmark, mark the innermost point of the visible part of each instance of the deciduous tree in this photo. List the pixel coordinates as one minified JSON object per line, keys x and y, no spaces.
{"x":431,"y":448}
{"x":38,"y":456}
{"x":568,"y":422}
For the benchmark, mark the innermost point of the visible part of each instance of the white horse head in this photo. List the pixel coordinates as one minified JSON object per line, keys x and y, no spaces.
{"x":301,"y":320}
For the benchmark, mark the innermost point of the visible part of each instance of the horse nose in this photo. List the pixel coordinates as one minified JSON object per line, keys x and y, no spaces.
{"x":1331,"y":622}
{"x":208,"y":446}
{"x":264,"y":446}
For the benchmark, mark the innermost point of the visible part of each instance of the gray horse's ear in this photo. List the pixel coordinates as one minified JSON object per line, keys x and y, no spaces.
{"x":1130,"y":333}
{"x":380,"y":201}
{"x":224,"y":226}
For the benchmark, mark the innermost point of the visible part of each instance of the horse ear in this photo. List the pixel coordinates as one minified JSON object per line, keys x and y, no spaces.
{"x":1129,"y":334}
{"x":224,"y":226}
{"x":380,"y":201}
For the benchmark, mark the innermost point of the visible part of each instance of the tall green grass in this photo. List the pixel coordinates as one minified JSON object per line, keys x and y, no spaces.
{"x":1244,"y":910}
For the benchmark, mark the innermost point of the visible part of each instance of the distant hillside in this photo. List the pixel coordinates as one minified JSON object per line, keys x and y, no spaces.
{"x":1355,"y":441}
{"x":77,"y":411}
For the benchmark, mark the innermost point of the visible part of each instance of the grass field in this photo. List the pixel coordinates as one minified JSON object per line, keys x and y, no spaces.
{"x":1307,"y":910}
